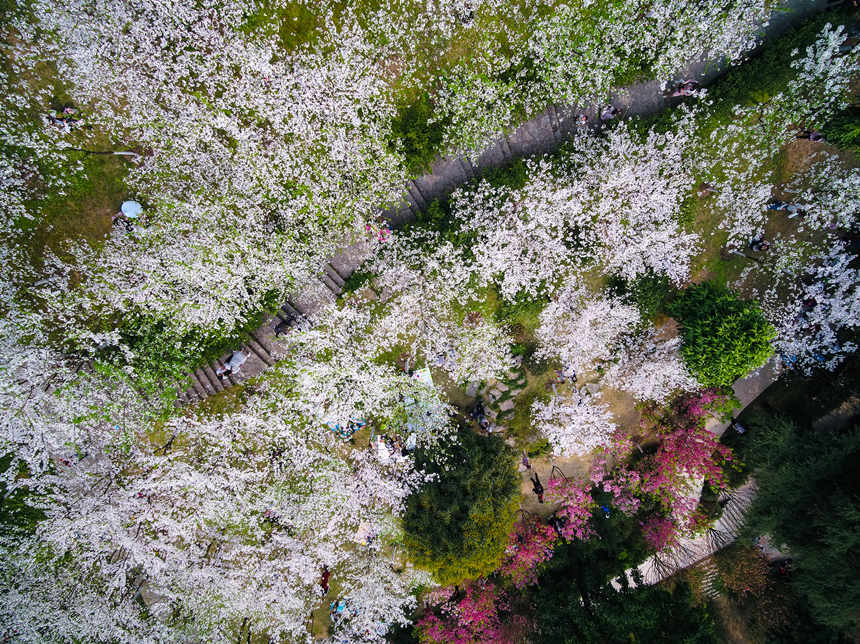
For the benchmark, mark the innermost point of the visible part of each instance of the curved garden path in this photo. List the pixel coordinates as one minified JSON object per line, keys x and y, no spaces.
{"x":540,"y":135}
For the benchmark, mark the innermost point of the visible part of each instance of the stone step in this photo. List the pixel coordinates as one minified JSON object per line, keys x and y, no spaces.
{"x":334,"y":275}
{"x":191,"y":396}
{"x":265,"y":335}
{"x":293,"y":308}
{"x":314,"y":296}
{"x":210,"y":373}
{"x":252,"y":367}
{"x":350,"y":258}
{"x":284,"y":325}
{"x":181,"y":398}
{"x":330,"y":284}
{"x":259,"y":350}
{"x":197,"y":386}
{"x":200,"y":375}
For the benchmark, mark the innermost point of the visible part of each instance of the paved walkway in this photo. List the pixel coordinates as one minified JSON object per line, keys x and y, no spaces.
{"x":688,"y":552}
{"x":542,"y":134}
{"x":748,"y":389}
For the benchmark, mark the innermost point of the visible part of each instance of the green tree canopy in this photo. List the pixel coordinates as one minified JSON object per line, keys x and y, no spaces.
{"x":643,"y":614}
{"x":457,"y":526}
{"x":724,"y":336}
{"x":809,"y":500}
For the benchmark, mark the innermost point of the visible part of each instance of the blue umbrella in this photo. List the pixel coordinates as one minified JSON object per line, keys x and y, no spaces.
{"x":131,"y":209}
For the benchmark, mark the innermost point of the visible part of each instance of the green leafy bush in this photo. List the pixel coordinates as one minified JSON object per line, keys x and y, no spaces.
{"x":356,"y":280}
{"x":19,"y":507}
{"x":457,"y":526}
{"x":650,"y":293}
{"x":414,"y":135}
{"x":533,"y":362}
{"x":724,"y":337}
{"x":641,"y":614}
{"x":161,"y":355}
{"x":513,"y":175}
{"x":844,"y":128}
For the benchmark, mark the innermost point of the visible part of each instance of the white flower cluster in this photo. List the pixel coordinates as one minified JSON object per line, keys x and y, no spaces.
{"x":613,"y":201}
{"x":738,"y":161}
{"x":810,"y":301}
{"x":650,"y":367}
{"x":573,"y":423}
{"x":429,"y":291}
{"x":219,"y":520}
{"x":579,"y":329}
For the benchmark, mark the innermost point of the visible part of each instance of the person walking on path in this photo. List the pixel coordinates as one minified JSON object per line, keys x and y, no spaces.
{"x":526,"y":463}
{"x":233,"y":364}
{"x":537,"y":487}
{"x":759,"y":244}
{"x":687,"y":88}
{"x":609,"y":112}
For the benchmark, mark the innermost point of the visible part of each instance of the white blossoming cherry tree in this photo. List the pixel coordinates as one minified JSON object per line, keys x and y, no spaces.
{"x":737,"y":161}
{"x":220,"y":522}
{"x":255,"y":163}
{"x":812,"y":301}
{"x":430,"y":302}
{"x":522,"y":240}
{"x":334,"y":376}
{"x":579,"y":328}
{"x":630,"y":190}
{"x":613,"y":203}
{"x":572,"y":422}
{"x":649,"y":367}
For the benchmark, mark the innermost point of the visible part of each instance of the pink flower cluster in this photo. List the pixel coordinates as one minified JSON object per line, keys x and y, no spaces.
{"x":694,"y":408}
{"x":618,"y":480}
{"x":577,"y":505}
{"x":473,"y":619}
{"x":685,"y":453}
{"x":382,"y":233}
{"x":531,"y":544}
{"x":659,"y":532}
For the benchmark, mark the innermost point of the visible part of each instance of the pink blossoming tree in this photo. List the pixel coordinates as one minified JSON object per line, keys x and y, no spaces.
{"x":475,"y":618}
{"x":531,"y":545}
{"x":577,"y":505}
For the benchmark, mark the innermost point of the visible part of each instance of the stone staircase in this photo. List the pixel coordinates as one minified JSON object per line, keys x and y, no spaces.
{"x":710,"y":574}
{"x":262,"y":346}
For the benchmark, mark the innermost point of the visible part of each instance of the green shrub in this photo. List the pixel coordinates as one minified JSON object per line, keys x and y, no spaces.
{"x":356,"y":280}
{"x":724,"y":337}
{"x":809,"y":499}
{"x":161,"y":355}
{"x":650,"y":293}
{"x":844,"y":128}
{"x":19,"y":508}
{"x":523,"y":310}
{"x":540,"y":447}
{"x":641,"y":614}
{"x":533,"y":362}
{"x":457,"y":526}
{"x":414,"y":135}
{"x":513,"y":175}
